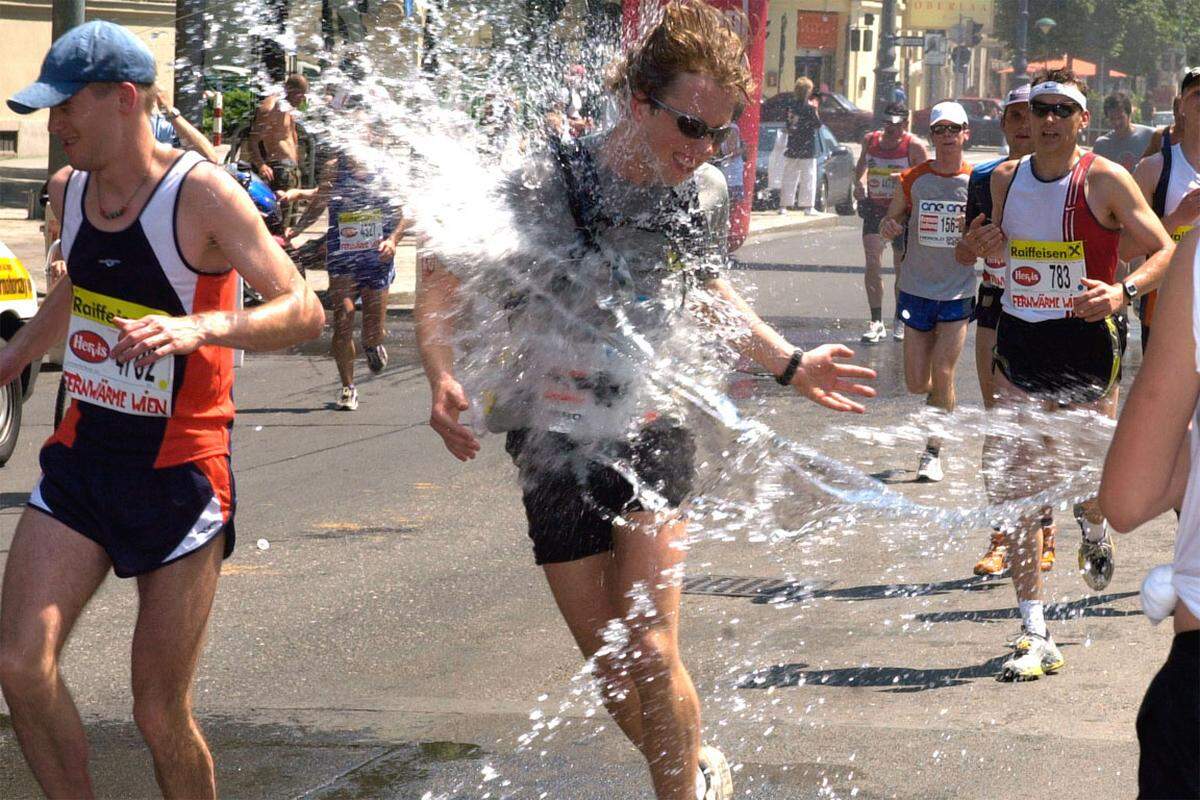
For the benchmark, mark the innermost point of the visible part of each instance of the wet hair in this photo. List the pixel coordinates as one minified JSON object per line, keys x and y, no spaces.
{"x":1061,"y":76}
{"x":803,"y":88}
{"x":296,"y":82}
{"x":691,"y":36}
{"x":1118,"y":100}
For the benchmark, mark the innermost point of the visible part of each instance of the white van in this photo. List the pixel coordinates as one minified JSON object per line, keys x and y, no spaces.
{"x":18,"y":303}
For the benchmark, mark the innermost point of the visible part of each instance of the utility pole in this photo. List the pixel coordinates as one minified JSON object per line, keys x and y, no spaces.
{"x":885,"y":70}
{"x":65,"y":14}
{"x":190,"y":31}
{"x":1021,"y":59}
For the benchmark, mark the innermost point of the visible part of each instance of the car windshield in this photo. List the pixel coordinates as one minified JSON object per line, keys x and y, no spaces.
{"x":767,"y":134}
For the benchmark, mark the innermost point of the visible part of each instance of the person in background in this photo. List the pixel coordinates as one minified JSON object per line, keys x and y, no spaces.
{"x":800,"y":162}
{"x":1126,"y":142}
{"x":171,"y":127}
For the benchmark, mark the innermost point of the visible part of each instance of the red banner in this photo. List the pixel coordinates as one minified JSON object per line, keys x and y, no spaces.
{"x":817,"y":30}
{"x":756,"y":42}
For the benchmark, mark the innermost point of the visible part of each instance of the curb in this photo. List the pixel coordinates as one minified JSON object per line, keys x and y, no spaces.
{"x":829,"y":221}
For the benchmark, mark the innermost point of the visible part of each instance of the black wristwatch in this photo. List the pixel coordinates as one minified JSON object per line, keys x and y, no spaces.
{"x":1131,"y":292}
{"x":785,"y":378}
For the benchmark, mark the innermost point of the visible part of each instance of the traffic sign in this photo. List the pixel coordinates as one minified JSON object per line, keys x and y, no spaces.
{"x":935,"y":49}
{"x":908,"y":41}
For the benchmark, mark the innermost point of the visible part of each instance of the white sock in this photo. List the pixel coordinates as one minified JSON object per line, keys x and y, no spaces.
{"x":701,"y":784}
{"x":1094,"y":531}
{"x":1031,"y":615}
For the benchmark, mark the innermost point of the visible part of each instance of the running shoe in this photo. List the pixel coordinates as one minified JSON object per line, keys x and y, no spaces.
{"x":929,"y":470}
{"x":1034,"y":657}
{"x":348,"y":398}
{"x":898,"y":332}
{"x":783,"y":210}
{"x":377,"y":358}
{"x":995,"y":560}
{"x":876,"y":332}
{"x":1048,"y":532}
{"x":718,"y":779}
{"x":1097,"y":559}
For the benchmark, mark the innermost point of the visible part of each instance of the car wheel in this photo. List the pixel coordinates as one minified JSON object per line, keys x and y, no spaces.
{"x":822,"y":200}
{"x":10,"y":419}
{"x":847,"y":207}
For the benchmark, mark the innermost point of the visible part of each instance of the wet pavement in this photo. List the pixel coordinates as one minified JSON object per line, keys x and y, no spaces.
{"x":395,"y":641}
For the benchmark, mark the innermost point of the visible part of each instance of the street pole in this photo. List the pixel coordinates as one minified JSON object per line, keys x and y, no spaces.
{"x":64,"y":15}
{"x":190,"y":30}
{"x":885,"y":70}
{"x":1021,"y":59}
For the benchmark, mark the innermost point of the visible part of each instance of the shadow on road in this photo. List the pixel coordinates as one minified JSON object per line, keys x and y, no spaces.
{"x":13,"y":499}
{"x":891,"y":679}
{"x":882,"y":591}
{"x":1084,"y":607}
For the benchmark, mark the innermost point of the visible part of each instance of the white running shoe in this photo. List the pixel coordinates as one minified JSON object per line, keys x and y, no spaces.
{"x":783,"y":210}
{"x":377,"y":358}
{"x":898,"y":332}
{"x":1033,"y":657}
{"x":718,"y":779}
{"x":348,"y":398}
{"x":929,"y":470}
{"x":876,"y":332}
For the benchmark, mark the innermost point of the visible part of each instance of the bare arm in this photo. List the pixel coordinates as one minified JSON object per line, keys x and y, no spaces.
{"x":437,"y":300}
{"x":860,"y":171}
{"x":223,"y":228}
{"x":893,"y":223}
{"x":819,"y":377}
{"x":318,"y":198}
{"x":1139,"y":483}
{"x":1145,"y":177}
{"x":193,"y":139}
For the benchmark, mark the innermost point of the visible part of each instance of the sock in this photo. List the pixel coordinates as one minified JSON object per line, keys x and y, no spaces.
{"x":1032,"y":617}
{"x":877,"y":314}
{"x":1094,"y":531}
{"x":934,"y":449}
{"x":701,"y":784}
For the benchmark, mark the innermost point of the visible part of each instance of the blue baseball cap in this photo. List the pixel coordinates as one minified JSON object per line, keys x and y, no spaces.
{"x":95,"y":52}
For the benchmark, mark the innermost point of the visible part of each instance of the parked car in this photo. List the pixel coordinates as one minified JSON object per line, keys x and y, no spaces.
{"x":835,"y":171}
{"x":846,"y":121}
{"x":1162,"y":118}
{"x":18,"y":303}
{"x":983,"y":116}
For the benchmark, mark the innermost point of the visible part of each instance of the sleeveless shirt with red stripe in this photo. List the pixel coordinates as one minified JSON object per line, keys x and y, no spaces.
{"x":142,"y":265}
{"x":895,"y":160}
{"x":1057,"y":211}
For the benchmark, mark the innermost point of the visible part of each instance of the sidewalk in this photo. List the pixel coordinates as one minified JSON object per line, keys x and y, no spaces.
{"x":24,"y":238}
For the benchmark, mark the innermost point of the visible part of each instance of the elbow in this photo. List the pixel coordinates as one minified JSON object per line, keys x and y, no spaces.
{"x":1122,"y":512}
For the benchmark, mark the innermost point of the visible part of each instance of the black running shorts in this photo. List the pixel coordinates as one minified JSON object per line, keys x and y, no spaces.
{"x":144,"y":518}
{"x":872,"y":214}
{"x":987,"y":307}
{"x":1168,"y":725}
{"x":1067,"y":360}
{"x":571,"y":503}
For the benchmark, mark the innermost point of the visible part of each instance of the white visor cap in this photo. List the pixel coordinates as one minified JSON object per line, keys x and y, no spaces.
{"x":948,"y":111}
{"x":1067,"y":90}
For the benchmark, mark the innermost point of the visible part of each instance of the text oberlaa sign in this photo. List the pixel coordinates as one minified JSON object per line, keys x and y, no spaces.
{"x":945,"y":14}
{"x":816,"y":30}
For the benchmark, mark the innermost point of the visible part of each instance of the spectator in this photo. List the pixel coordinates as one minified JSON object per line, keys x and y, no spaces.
{"x":1126,"y":142}
{"x":800,"y":162}
{"x":732,"y":161}
{"x":170,"y":127}
{"x":274,"y":143}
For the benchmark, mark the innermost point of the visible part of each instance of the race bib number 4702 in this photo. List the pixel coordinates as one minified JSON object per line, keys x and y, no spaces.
{"x":940,"y":222}
{"x":92,"y":375}
{"x":1045,"y":276}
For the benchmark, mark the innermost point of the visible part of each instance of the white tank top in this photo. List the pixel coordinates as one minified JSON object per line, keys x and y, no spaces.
{"x":1183,"y":180}
{"x":1187,"y":539}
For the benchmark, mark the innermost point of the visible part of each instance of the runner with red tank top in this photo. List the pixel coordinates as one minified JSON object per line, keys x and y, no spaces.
{"x":136,"y":478}
{"x":1060,"y":214}
{"x":885,"y":154}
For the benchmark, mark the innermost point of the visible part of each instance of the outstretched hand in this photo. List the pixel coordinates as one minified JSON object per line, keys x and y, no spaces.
{"x":826,"y":381}
{"x":449,"y":401}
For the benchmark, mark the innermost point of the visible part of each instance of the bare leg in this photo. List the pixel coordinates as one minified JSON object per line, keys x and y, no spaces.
{"x":949,"y":338}
{"x":873,"y":245}
{"x":51,"y":573}
{"x":173,"y":607}
{"x":649,"y":555}
{"x":918,"y":360}
{"x":588,"y":598}
{"x":374,"y":308}
{"x":342,"y":291}
{"x":985,"y":341}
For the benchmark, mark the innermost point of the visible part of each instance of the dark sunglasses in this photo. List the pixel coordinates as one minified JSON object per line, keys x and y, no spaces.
{"x":941,"y":130}
{"x":1060,"y":110}
{"x":694,"y":127}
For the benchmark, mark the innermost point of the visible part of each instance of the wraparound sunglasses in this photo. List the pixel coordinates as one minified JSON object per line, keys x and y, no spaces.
{"x":694,"y":127}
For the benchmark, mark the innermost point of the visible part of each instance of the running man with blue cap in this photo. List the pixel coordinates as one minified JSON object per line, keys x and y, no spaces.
{"x":136,"y":477}
{"x":1059,"y":215}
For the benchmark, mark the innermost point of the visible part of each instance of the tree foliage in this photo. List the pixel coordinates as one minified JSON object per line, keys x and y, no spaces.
{"x":1130,"y":35}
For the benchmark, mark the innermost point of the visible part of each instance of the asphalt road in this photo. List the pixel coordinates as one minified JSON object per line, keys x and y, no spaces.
{"x":393,"y":639}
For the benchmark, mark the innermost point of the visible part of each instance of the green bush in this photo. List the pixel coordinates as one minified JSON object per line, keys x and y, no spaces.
{"x":239,"y":104}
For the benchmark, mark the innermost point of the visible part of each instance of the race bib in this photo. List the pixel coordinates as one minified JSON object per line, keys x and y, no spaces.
{"x":940,"y":222}
{"x":994,"y":272}
{"x":586,"y":393}
{"x":90,"y":374}
{"x":1045,"y":276}
{"x":881,"y":182}
{"x":1181,"y":231}
{"x":359,"y":230}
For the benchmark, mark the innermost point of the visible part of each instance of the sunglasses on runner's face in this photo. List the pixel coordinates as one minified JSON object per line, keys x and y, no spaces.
{"x":1060,"y":110}
{"x":942,"y":130}
{"x":694,"y":127}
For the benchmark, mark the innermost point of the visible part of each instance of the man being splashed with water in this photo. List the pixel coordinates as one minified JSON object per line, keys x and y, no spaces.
{"x":631,"y":227}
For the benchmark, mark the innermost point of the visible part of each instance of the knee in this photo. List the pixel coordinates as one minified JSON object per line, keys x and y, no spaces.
{"x":653,"y":654}
{"x":159,"y":717}
{"x":25,"y":671}
{"x":917,"y":383}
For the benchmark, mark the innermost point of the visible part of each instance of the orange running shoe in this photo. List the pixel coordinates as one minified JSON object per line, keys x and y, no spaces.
{"x":995,"y":560}
{"x":1048,"y":548}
